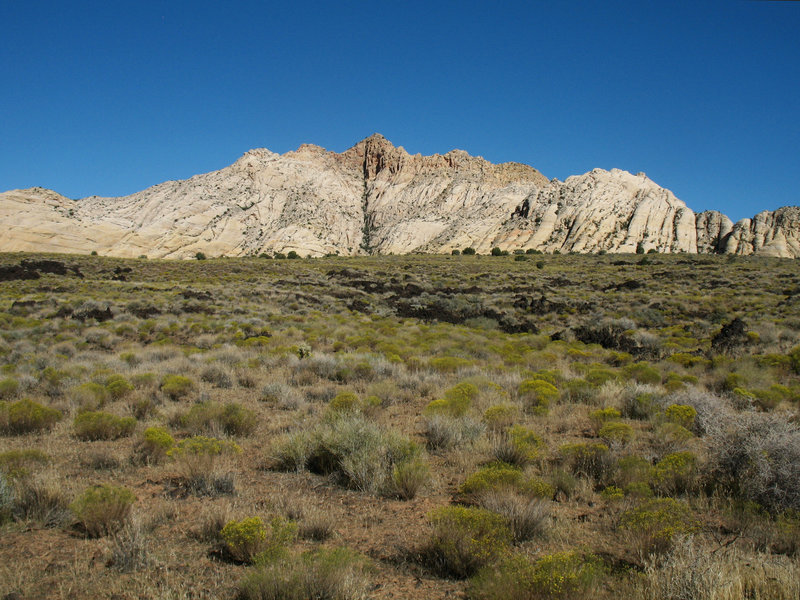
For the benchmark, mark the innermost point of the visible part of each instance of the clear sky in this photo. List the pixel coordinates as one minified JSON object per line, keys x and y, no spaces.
{"x":109,"y":98}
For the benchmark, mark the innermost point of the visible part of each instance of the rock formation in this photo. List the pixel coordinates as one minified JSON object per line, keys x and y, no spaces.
{"x":377,"y":198}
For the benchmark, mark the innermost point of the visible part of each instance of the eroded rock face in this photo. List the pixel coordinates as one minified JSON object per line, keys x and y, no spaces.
{"x":768,"y":233}
{"x":377,"y":198}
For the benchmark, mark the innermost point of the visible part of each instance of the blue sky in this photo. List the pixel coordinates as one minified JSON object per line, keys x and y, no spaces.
{"x":109,"y":98}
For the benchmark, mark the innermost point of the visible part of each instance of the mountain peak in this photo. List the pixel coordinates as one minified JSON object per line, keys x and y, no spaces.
{"x":377,"y":198}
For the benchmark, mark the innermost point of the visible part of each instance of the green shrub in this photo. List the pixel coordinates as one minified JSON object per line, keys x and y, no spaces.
{"x":464,"y":540}
{"x":601,"y":416}
{"x":102,"y":509}
{"x":324,"y":573}
{"x":616,"y":433}
{"x":675,"y":473}
{"x":89,"y":396}
{"x":443,"y":432}
{"x":469,"y":251}
{"x":195,"y":459}
{"x":25,"y":416}
{"x":598,"y":376}
{"x":448,"y":364}
{"x":92,"y":426}
{"x":213,"y":417}
{"x":8,"y":388}
{"x":349,"y":402}
{"x":7,"y":498}
{"x":641,"y":406}
{"x":569,"y":574}
{"x":361,"y":454}
{"x":177,"y":386}
{"x":643,"y":372}
{"x":681,"y":414}
{"x":154,"y":445}
{"x":409,"y":477}
{"x":455,"y":403}
{"x":652,"y":525}
{"x":118,"y":387}
{"x":344,"y":402}
{"x":563,"y":482}
{"x":250,"y":541}
{"x":538,"y":394}
{"x":518,"y":445}
{"x":612,"y":493}
{"x":527,"y":517}
{"x":291,"y":452}
{"x":499,"y":416}
{"x":501,"y":475}
{"x":632,"y":469}
{"x":671,"y":436}
{"x":639,"y":489}
{"x":794,"y":358}
{"x":42,"y":499}
{"x":591,"y":459}
{"x":16,"y":464}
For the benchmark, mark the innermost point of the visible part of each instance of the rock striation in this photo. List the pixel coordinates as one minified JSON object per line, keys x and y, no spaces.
{"x":377,"y":198}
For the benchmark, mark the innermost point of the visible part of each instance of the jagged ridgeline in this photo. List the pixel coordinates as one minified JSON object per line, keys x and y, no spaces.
{"x":376,"y":198}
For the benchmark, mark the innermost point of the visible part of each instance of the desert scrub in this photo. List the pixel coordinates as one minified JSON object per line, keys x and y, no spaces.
{"x":359,"y":453}
{"x":250,"y":540}
{"x":690,"y":570}
{"x":518,"y":445}
{"x":282,"y":396}
{"x":102,"y":509}
{"x":92,"y":426}
{"x":570,"y":574}
{"x":324,"y":573}
{"x":6,"y":498}
{"x":589,"y":459}
{"x":177,"y":387}
{"x":213,"y":417}
{"x":756,"y":457}
{"x":16,"y":464}
{"x":652,"y":525}
{"x":26,"y":416}
{"x":500,"y":475}
{"x":443,"y":432}
{"x":464,"y":540}
{"x":130,"y":548}
{"x":153,"y":447}
{"x":409,"y":477}
{"x":527,"y":517}
{"x":196,"y":461}
{"x":676,"y":473}
{"x":537,"y":394}
{"x":41,"y":498}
